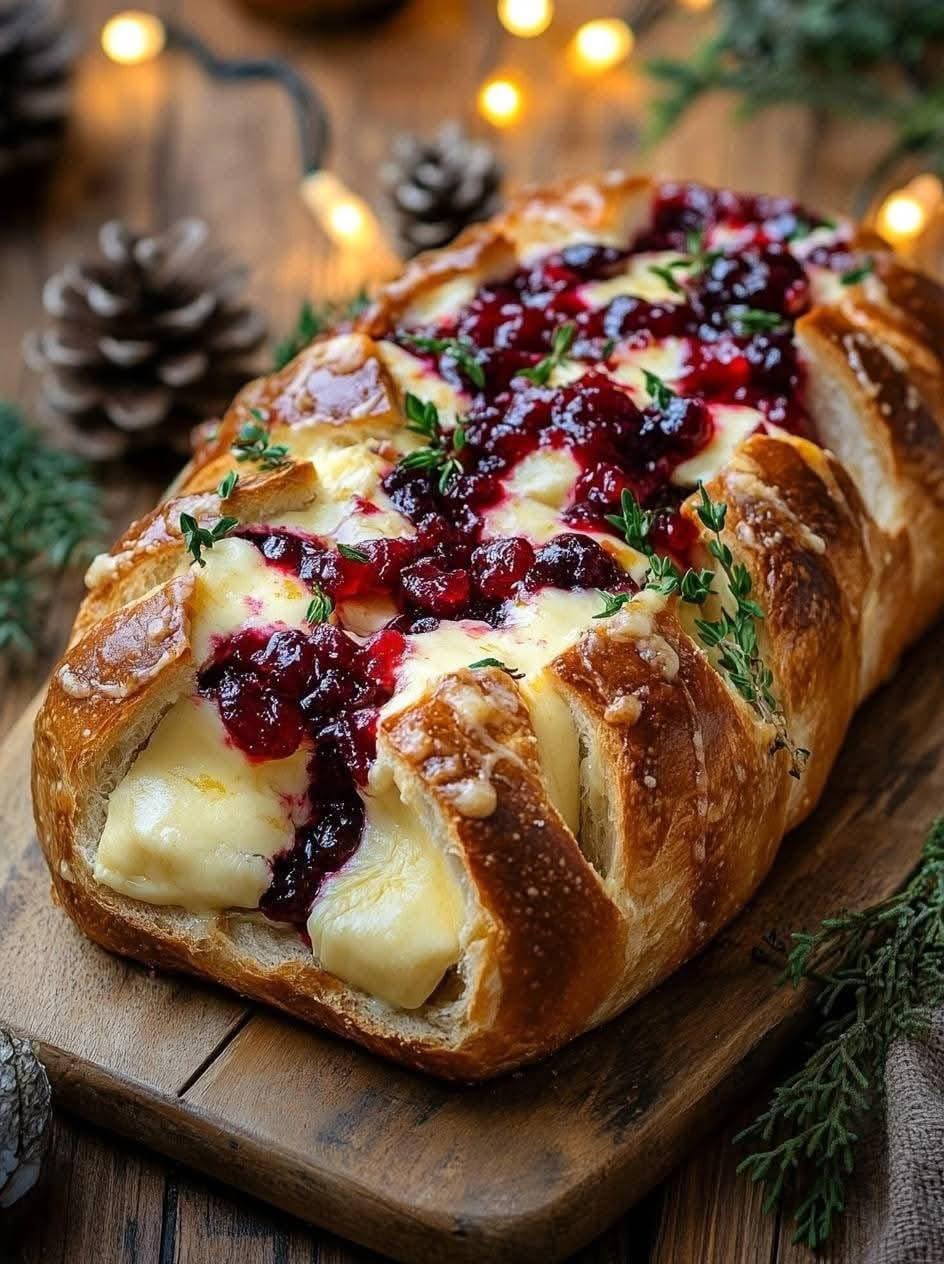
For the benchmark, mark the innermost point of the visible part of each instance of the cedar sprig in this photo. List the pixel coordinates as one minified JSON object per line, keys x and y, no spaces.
{"x":314,"y":319}
{"x":841,"y":58}
{"x":880,"y":974}
{"x":50,"y":519}
{"x":438,"y":456}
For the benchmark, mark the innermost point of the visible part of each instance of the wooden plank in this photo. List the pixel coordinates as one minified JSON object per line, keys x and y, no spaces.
{"x":96,"y":1200}
{"x":542,"y":1159}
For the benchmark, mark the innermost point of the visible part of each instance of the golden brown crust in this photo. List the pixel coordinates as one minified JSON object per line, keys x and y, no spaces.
{"x":844,"y":554}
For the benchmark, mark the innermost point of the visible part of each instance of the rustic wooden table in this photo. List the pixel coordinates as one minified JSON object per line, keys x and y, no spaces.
{"x":155,"y":142}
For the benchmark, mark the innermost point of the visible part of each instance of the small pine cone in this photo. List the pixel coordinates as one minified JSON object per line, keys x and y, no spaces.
{"x":438,"y":187}
{"x":37,"y":52}
{"x":25,"y":1110}
{"x":144,"y":343}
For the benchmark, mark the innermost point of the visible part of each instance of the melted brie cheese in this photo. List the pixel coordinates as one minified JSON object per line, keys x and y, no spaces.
{"x":638,"y":281}
{"x":194,"y":822}
{"x":390,"y":921}
{"x":733,"y":423}
{"x":237,"y":588}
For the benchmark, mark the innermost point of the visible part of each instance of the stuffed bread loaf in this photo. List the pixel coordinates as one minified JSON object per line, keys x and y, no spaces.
{"x":374,"y":758}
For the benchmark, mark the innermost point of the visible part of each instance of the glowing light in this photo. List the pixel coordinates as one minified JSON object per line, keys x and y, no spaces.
{"x":345,"y":217}
{"x":602,"y":44}
{"x":133,"y":37}
{"x":500,"y":101}
{"x":905,"y":213}
{"x":696,"y":6}
{"x":525,"y":17}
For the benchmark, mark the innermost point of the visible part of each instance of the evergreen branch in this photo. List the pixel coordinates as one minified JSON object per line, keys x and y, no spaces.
{"x":50,"y":520}
{"x":880,"y":974}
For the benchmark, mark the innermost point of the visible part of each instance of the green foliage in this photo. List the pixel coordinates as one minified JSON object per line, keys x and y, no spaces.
{"x":464,"y":354}
{"x":513,"y":672}
{"x":880,"y":973}
{"x":50,"y":519}
{"x":320,"y":606}
{"x":839,"y":56}
{"x":197,"y":538}
{"x":561,"y":343}
{"x":252,"y":444}
{"x":439,"y":454}
{"x":314,"y":319}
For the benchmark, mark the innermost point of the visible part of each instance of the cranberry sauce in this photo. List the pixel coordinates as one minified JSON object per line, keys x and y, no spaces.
{"x":279,"y":690}
{"x":737,"y":283}
{"x":737,"y":287}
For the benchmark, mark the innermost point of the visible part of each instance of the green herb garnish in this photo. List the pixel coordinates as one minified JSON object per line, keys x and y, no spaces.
{"x":661,"y":394}
{"x":314,"y":319}
{"x":753,"y":320}
{"x":855,"y":275}
{"x":50,"y":519}
{"x":252,"y":444}
{"x":352,"y":554}
{"x":665,"y":272}
{"x":320,"y":606}
{"x":513,"y":672}
{"x":464,"y":353}
{"x":438,"y":457}
{"x":880,"y":975}
{"x":227,"y":485}
{"x":197,"y":538}
{"x":561,"y":343}
{"x":612,"y":603}
{"x":633,"y":522}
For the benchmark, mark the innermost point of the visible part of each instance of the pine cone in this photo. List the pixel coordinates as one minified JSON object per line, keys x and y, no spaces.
{"x":25,"y":1101}
{"x":437,"y":187}
{"x":145,"y":342}
{"x":37,"y":51}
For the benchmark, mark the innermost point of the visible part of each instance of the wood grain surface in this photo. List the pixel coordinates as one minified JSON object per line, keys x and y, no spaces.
{"x":160,"y":141}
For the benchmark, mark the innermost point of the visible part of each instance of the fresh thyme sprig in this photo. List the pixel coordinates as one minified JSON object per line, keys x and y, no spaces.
{"x":732,"y":636}
{"x":252,"y":444}
{"x":880,"y":974}
{"x":513,"y":672}
{"x":662,"y":395}
{"x":320,"y":607}
{"x":352,"y":554}
{"x":561,"y":342}
{"x":464,"y":353}
{"x":697,"y":260}
{"x":753,"y":320}
{"x":197,"y":538}
{"x":439,"y":455}
{"x":227,"y":485}
{"x":312,"y":320}
{"x":612,"y":603}
{"x":50,"y":519}
{"x":855,"y":275}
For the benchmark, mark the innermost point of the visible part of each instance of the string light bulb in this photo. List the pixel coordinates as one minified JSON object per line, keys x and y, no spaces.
{"x":904,"y":214}
{"x":133,"y":37}
{"x":525,"y":18}
{"x":602,"y":44}
{"x":500,"y":101}
{"x":344,"y":216}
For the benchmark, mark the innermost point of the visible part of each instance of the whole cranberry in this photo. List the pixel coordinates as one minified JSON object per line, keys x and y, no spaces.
{"x":286,"y":660}
{"x":499,"y":565}
{"x":770,"y":279}
{"x":573,"y":561}
{"x":429,"y":587}
{"x":260,"y":721}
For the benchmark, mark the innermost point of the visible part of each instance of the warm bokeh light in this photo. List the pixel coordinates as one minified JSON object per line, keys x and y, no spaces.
{"x":345,"y":217}
{"x":905,"y":213}
{"x":601,"y":44}
{"x":500,"y":101}
{"x":132,"y":37}
{"x":695,"y":6}
{"x":525,"y":17}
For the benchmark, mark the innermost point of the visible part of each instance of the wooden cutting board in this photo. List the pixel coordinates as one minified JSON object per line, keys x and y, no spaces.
{"x":527,"y":1168}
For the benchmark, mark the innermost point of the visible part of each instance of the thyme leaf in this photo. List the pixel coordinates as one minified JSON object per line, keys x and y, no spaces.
{"x":438,"y":457}
{"x":197,"y":538}
{"x":561,"y":343}
{"x":464,"y":353}
{"x":513,"y":672}
{"x":252,"y":444}
{"x":320,"y":606}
